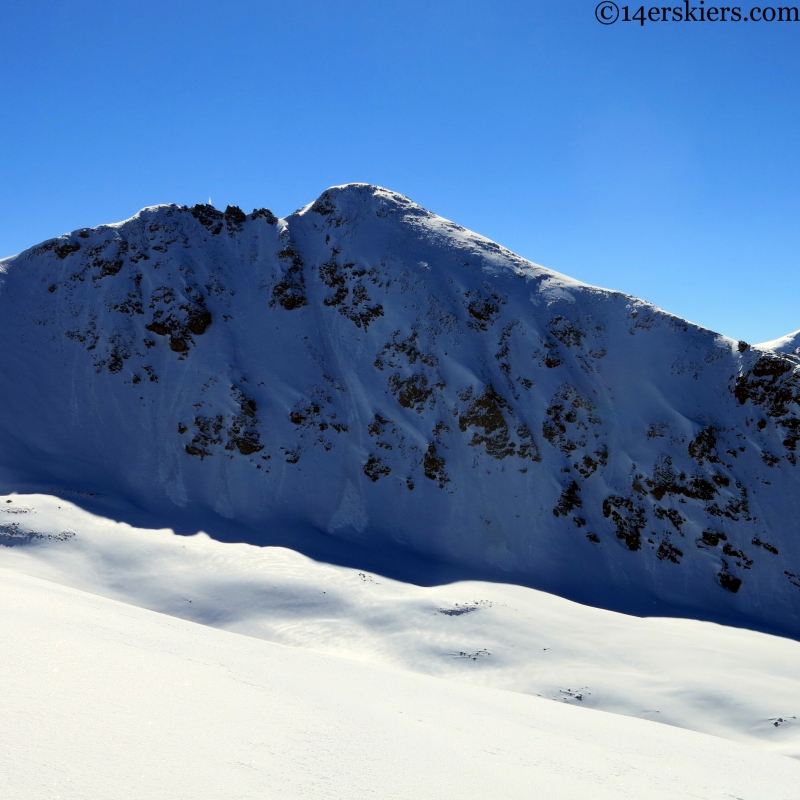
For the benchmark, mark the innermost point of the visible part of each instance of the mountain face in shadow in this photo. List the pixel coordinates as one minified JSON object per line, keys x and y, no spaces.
{"x":375,"y":373}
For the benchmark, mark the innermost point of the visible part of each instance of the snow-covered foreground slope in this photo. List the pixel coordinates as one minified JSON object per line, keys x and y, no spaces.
{"x":105,"y":700}
{"x":700,"y":676}
{"x":366,"y":370}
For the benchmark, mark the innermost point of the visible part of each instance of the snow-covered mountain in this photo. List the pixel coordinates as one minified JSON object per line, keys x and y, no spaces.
{"x":369,"y":370}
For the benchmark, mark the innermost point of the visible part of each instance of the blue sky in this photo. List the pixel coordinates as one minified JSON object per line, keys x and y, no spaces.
{"x":662,"y":161}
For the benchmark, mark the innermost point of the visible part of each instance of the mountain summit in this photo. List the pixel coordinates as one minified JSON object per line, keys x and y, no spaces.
{"x":370,"y":370}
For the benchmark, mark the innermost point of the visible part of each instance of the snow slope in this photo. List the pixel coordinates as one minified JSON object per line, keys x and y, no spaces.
{"x":728,"y":682}
{"x":366,"y":370}
{"x":786,"y":344}
{"x":104,"y":700}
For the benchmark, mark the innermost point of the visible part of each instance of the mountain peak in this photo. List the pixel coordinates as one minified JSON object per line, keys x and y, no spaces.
{"x":360,"y":198}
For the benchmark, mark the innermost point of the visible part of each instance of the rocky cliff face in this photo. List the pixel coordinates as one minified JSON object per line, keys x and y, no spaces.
{"x":376,"y":372}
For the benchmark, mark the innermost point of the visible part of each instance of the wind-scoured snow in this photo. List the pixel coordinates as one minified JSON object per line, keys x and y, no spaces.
{"x":368,"y":371}
{"x":102,"y":699}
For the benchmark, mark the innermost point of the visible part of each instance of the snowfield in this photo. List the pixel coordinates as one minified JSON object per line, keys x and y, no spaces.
{"x":104,"y":700}
{"x":714,"y":679}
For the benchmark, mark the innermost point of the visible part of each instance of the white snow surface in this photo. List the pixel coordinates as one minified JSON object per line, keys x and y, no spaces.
{"x":785,"y":344}
{"x":104,"y":700}
{"x":729,"y":682}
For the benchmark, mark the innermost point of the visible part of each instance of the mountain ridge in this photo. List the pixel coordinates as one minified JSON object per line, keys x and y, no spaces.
{"x":370,"y":370}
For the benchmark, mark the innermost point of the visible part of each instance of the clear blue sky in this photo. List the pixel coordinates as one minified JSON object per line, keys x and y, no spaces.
{"x":662,"y":161}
